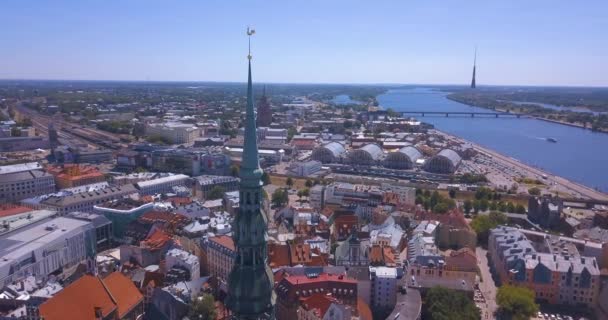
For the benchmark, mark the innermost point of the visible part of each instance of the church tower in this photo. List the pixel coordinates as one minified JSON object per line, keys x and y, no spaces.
{"x":250,"y":284}
{"x":264,"y":111}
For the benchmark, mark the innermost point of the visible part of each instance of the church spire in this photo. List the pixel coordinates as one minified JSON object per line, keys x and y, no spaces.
{"x":250,"y":284}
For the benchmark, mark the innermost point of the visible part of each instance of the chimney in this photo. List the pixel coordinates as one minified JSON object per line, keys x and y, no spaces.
{"x":98,"y":314}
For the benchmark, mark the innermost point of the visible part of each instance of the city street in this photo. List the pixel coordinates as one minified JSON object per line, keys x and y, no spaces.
{"x":487,"y":286}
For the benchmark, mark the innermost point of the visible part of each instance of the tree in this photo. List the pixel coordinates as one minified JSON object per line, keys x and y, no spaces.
{"x":234,"y":170}
{"x":308,"y":183}
{"x":216,"y":192}
{"x":203,"y":307}
{"x":482,"y":224}
{"x":290,"y":133}
{"x":516,"y":303}
{"x":534,"y":191}
{"x":510,"y":207}
{"x":468,"y":205}
{"x":300,"y":194}
{"x":476,"y":206}
{"x":520,"y":209}
{"x":452,"y":193}
{"x":279,"y":197}
{"x":483,"y":204}
{"x":306,"y":192}
{"x":441,"y":304}
{"x":289,"y":182}
{"x":265,"y":178}
{"x":435,"y":198}
{"x":441,"y":207}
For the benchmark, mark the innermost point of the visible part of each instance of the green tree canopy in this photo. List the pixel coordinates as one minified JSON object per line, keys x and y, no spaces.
{"x":446,"y":304}
{"x":516,"y":303}
{"x":468,"y":205}
{"x":534,"y":191}
{"x":216,"y":192}
{"x":482,"y":224}
{"x":203,"y":307}
{"x":279,"y":197}
{"x":265,"y":178}
{"x":308,"y":183}
{"x":289,"y":182}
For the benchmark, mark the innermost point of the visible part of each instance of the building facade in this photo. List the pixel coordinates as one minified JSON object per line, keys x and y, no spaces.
{"x":18,"y":184}
{"x":560,"y":276}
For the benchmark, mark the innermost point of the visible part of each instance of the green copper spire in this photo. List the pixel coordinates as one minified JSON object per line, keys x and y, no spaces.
{"x":250,"y":285}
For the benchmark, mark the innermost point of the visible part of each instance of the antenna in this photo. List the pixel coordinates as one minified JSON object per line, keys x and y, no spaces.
{"x":475,"y":57}
{"x":250,"y":32}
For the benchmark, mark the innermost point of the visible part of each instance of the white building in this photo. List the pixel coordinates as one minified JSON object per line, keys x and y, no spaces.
{"x":385,"y":282}
{"x":181,"y":258}
{"x":305,"y":169}
{"x":403,"y":195}
{"x":174,"y":132}
{"x":162,"y":185}
{"x":44,"y":247}
{"x":22,"y":181}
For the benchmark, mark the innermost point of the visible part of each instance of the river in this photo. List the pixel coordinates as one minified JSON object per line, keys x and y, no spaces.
{"x":579,"y":155}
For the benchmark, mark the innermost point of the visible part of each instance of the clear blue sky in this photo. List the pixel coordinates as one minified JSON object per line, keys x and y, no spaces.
{"x":538,"y":42}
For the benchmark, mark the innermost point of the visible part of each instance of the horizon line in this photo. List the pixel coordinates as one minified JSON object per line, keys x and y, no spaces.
{"x":309,"y":83}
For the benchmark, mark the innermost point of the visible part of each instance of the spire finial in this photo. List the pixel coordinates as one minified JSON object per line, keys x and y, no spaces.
{"x":250,"y":32}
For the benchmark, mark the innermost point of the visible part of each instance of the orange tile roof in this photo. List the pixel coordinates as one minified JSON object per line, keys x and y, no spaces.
{"x":74,"y":172}
{"x":319,"y":302}
{"x":278,"y":255}
{"x":156,"y":240}
{"x":11,"y":210}
{"x":300,"y":253}
{"x":176,"y":201}
{"x":365,"y":313}
{"x":224,"y":241}
{"x":78,"y":301}
{"x":323,"y":277}
{"x":124,"y":292}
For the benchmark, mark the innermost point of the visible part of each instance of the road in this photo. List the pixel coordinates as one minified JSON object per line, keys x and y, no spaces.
{"x":562,"y":182}
{"x":408,"y":305}
{"x":487,"y":286}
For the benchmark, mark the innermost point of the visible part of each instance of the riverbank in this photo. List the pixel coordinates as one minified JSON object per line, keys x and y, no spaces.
{"x":579,"y":155}
{"x":576,"y":125}
{"x":498,"y":109}
{"x":570,"y":186}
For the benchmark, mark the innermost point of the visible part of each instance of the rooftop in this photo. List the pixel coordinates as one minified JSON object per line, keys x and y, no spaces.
{"x":149,"y":183}
{"x":20,"y":167}
{"x":14,"y":245}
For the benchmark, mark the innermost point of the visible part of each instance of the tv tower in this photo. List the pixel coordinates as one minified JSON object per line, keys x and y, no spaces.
{"x":473,"y":85}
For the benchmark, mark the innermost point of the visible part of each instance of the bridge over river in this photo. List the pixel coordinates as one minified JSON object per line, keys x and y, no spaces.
{"x":471,"y":114}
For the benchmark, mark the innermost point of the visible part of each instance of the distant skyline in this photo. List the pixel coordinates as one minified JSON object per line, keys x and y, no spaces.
{"x":553,"y":43}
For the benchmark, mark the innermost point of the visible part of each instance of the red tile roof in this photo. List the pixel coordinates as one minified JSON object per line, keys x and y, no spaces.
{"x":78,"y":301}
{"x":11,"y":210}
{"x":324,"y":277}
{"x":278,"y":255}
{"x":156,"y":240}
{"x":124,"y":292}
{"x":224,"y":241}
{"x":365,"y":313}
{"x":319,"y":302}
{"x":300,"y":254}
